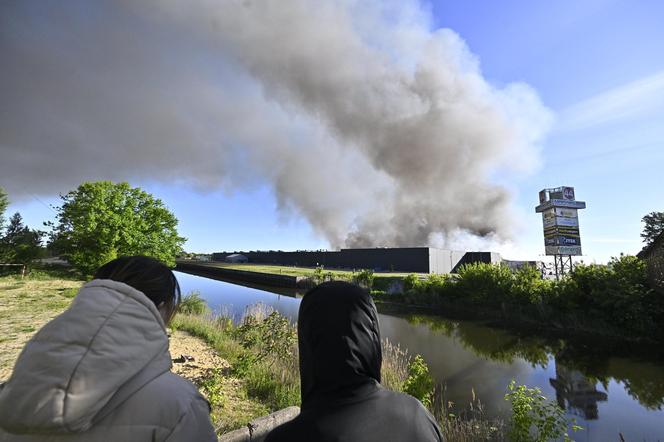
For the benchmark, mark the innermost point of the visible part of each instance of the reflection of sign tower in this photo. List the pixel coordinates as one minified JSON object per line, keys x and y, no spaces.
{"x":575,"y":392}
{"x":561,"y":225}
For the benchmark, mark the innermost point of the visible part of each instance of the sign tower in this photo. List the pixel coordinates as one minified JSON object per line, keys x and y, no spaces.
{"x":559,"y":209}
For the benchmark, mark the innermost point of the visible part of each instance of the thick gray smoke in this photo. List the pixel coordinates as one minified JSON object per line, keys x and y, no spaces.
{"x":377,"y":130}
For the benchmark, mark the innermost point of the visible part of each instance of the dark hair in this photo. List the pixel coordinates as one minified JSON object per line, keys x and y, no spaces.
{"x":147,"y":275}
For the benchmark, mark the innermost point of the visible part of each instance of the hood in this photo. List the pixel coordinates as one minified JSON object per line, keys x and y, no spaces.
{"x":339,"y":343}
{"x":109,"y":338}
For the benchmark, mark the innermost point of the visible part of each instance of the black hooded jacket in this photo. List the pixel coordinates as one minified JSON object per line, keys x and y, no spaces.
{"x":340,"y":359}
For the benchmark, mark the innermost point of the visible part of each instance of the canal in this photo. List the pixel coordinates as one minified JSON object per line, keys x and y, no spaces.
{"x":608,"y":389}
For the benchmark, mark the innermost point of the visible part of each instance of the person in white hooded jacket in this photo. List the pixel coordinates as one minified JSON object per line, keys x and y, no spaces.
{"x":101,"y":370}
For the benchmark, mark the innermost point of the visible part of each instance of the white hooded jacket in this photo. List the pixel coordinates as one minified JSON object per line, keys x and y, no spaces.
{"x":101,"y":372}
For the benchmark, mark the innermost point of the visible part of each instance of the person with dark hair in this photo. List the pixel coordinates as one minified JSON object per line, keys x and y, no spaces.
{"x":101,"y":370}
{"x":340,"y":360}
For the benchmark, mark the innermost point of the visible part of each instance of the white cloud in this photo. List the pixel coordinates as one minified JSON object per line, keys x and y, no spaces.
{"x":627,"y":101}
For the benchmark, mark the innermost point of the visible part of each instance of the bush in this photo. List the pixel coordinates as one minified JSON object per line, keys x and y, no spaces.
{"x":534,"y":418}
{"x":617,"y":293}
{"x":364,"y":278}
{"x":273,"y":337}
{"x":193,"y":304}
{"x":411,"y":282}
{"x":419,"y":383}
{"x":484,"y":283}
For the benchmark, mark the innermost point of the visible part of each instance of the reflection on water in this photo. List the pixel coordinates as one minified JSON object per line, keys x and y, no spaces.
{"x":576,"y":393}
{"x":609,"y":389}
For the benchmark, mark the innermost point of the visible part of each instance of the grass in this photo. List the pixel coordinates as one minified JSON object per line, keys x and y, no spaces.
{"x":274,"y":382}
{"x":238,"y":394}
{"x":382,"y":280}
{"x":26,"y":304}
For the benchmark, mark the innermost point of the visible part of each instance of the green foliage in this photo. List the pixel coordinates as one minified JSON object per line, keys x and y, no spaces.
{"x":419,"y":383}
{"x":100,"y":221}
{"x":319,"y":275}
{"x":192,"y":303}
{"x":411,"y":282}
{"x":20,"y":245}
{"x":262,"y":352}
{"x":484,"y":283}
{"x":653,"y":226}
{"x":272,"y":337}
{"x":617,"y":293}
{"x":4,"y":202}
{"x":212,"y":387}
{"x":364,"y":278}
{"x":614,"y":298}
{"x":534,"y":418}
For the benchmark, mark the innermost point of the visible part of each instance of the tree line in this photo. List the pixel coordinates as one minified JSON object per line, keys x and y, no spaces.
{"x":99,"y":221}
{"x":95,"y":223}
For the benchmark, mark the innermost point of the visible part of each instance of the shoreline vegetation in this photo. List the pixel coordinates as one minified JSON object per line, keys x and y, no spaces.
{"x":261,"y":349}
{"x":258,"y":370}
{"x":607,"y":301}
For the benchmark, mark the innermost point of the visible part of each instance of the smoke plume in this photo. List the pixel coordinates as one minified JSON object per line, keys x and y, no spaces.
{"x":378,"y":130}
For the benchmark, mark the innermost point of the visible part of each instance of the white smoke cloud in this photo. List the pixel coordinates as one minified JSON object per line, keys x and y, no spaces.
{"x":377,"y":130}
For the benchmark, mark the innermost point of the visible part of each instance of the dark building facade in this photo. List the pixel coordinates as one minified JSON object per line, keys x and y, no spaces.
{"x":401,"y":259}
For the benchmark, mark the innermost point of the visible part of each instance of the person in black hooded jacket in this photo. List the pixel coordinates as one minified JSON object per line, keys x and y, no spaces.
{"x":340,"y":359}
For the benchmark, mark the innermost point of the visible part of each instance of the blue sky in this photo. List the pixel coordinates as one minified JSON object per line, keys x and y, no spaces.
{"x":598,"y":65}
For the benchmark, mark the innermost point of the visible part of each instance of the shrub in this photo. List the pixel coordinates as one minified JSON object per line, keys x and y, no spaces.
{"x":193,"y":304}
{"x":411,"y":282}
{"x":364,"y":278}
{"x":273,"y":337}
{"x":484,"y":283}
{"x":534,"y":418}
{"x":419,"y":383}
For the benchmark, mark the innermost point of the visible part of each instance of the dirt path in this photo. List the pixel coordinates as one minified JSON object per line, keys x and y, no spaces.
{"x":196,"y":361}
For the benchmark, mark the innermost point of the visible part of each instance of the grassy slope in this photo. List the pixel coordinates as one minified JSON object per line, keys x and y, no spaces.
{"x":26,"y":305}
{"x":381,"y":279}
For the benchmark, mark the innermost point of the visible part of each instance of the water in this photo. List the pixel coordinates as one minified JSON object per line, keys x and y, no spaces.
{"x":607,"y":389}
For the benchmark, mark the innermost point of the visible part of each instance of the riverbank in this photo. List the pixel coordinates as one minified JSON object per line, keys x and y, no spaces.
{"x":276,"y":276}
{"x":611,"y":301}
{"x":230,"y":365}
{"x":262,"y":351}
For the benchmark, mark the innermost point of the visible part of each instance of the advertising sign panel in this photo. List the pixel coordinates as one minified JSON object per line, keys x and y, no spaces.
{"x":562,"y":240}
{"x":563,"y":250}
{"x":561,"y":230}
{"x":560,"y":221}
{"x":560,"y":203}
{"x":561,"y":211}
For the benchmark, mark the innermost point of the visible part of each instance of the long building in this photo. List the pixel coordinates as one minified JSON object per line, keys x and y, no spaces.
{"x":394,"y":259}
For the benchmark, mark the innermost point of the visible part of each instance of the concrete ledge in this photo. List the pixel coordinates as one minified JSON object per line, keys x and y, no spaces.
{"x":257,"y":430}
{"x":267,"y":279}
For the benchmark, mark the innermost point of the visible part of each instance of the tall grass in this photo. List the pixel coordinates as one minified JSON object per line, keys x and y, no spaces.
{"x":270,"y":373}
{"x":192,"y":304}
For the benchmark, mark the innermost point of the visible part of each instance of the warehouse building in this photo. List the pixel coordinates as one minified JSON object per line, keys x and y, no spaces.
{"x":395,"y":259}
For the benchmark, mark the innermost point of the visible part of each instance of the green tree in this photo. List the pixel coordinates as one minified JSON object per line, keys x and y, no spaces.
{"x":4,"y":202}
{"x":20,"y":244}
{"x":100,"y":221}
{"x":653,"y":226}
